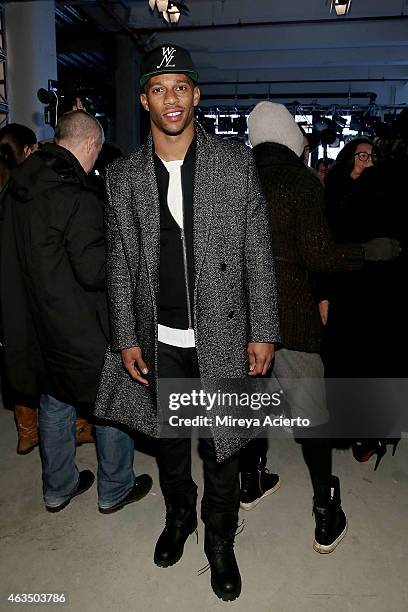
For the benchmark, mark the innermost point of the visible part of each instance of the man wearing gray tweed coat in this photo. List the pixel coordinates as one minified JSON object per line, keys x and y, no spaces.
{"x":192,"y":294}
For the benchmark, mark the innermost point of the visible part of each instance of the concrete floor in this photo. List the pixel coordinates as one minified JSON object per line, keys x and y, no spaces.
{"x":104,"y":563}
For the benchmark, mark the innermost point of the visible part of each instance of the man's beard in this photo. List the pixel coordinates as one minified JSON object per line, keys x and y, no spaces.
{"x":178,"y":131}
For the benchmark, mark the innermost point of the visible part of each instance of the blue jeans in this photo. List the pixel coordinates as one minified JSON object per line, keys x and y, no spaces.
{"x":57,"y":430}
{"x":115,"y":465}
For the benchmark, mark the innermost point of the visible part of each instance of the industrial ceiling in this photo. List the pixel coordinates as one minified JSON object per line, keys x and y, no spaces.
{"x":247,"y":50}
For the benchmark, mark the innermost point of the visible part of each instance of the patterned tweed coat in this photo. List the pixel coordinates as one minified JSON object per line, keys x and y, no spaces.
{"x":235,"y":292}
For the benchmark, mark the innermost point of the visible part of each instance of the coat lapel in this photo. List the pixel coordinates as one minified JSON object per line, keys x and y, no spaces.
{"x":147,"y":209}
{"x":204,"y":195}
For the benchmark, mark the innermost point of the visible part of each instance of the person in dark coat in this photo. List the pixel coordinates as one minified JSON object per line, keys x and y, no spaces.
{"x":192,"y":294}
{"x":17,"y":142}
{"x":54,"y":312}
{"x":358,"y":210}
{"x":302,"y":245}
{"x":362,"y":204}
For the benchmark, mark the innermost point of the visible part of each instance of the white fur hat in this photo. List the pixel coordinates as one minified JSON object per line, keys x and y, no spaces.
{"x":271,"y":122}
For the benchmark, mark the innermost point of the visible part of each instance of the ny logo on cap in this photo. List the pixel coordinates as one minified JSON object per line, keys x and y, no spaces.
{"x":168,"y":54}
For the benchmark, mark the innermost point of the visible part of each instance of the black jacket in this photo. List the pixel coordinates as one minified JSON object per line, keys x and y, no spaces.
{"x":52,"y":278}
{"x":368,"y":306}
{"x":176,"y":307}
{"x":301,"y":242}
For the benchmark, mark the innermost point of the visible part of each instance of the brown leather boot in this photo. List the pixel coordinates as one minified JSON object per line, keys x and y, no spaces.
{"x":26,"y":419}
{"x":84,"y":431}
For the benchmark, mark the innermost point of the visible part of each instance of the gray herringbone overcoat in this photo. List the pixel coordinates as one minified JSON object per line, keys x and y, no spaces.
{"x":234,"y":294}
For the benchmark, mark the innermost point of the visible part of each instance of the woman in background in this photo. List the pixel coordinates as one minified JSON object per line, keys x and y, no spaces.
{"x":366,"y":321}
{"x":17,"y":142}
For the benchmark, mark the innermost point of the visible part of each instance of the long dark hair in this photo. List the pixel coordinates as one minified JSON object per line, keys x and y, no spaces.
{"x":13,"y":139}
{"x":344,"y":164}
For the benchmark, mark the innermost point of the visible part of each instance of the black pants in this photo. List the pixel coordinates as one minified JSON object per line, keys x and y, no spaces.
{"x":221,"y":480}
{"x":317,"y":454}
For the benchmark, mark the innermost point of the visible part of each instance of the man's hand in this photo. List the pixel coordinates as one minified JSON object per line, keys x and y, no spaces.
{"x":260,"y":357}
{"x":324,"y":311}
{"x":133,"y":362}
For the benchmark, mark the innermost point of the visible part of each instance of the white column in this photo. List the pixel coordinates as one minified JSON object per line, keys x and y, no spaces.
{"x":31,"y":60}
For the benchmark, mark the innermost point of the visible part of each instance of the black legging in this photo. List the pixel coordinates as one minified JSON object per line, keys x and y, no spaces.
{"x":317,"y":453}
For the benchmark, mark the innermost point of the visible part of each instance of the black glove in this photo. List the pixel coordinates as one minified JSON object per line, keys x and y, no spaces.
{"x":381,"y":249}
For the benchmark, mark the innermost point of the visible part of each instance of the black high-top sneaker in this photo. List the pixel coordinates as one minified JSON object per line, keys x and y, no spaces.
{"x":180,"y":523}
{"x":257,"y":484}
{"x":331,"y":522}
{"x":225,"y":576}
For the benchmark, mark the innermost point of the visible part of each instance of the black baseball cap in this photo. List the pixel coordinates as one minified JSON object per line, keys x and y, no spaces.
{"x":166,"y":58}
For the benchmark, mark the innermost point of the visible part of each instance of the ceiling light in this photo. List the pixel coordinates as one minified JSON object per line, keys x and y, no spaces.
{"x":169,"y":9}
{"x":356,"y":123}
{"x":335,"y":144}
{"x":328,"y":137}
{"x":161,"y":5}
{"x":320,"y":124}
{"x":172,"y":15}
{"x":341,"y":7}
{"x":340,"y":121}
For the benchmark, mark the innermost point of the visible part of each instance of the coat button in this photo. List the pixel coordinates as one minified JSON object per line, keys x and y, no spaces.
{"x":231,"y":314}
{"x":223,"y":267}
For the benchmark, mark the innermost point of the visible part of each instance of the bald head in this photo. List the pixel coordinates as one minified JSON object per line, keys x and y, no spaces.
{"x":75,"y":126}
{"x":82,"y":135}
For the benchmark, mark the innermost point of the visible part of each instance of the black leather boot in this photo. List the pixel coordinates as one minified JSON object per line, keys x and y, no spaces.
{"x":181,"y":521}
{"x":256,"y":483}
{"x":219,"y":549}
{"x":331,"y":522}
